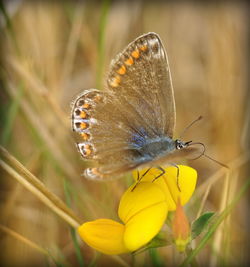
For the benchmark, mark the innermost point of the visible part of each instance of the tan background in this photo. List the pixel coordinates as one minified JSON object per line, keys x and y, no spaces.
{"x":50,"y":53}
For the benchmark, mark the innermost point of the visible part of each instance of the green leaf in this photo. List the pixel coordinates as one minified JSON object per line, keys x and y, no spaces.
{"x":199,"y":225}
{"x":161,"y":240}
{"x":158,"y":242}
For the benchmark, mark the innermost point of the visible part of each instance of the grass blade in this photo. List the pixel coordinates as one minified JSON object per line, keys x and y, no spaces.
{"x":216,"y":224}
{"x":35,"y":186}
{"x":10,"y":117}
{"x":72,"y":230}
{"x":100,"y":61}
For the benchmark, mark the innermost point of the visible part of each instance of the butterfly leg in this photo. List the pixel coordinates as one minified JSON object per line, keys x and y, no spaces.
{"x":140,"y":178}
{"x":178,"y":173}
{"x":162,"y":173}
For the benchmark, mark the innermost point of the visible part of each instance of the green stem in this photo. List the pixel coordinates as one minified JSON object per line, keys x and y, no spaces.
{"x":10,"y":117}
{"x":72,"y":230}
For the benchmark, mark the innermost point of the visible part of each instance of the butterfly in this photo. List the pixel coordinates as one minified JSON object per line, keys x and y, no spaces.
{"x":130,"y":123}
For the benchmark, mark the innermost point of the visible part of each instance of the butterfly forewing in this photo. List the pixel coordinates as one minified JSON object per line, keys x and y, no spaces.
{"x":137,"y":105}
{"x":140,"y":78}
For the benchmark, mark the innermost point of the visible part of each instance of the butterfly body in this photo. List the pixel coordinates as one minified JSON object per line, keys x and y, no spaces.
{"x":131,"y":123}
{"x":154,"y":148}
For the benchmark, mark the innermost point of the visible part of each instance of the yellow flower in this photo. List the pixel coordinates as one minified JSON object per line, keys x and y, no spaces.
{"x":168,"y":183}
{"x":104,"y":235}
{"x":142,"y":211}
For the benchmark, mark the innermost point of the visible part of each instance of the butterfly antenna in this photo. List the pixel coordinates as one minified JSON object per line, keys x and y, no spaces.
{"x":192,"y":123}
{"x":205,"y":155}
{"x":216,"y":161}
{"x":203,"y":151}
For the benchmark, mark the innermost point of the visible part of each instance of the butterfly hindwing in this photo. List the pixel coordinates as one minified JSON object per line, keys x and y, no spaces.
{"x":105,"y":133}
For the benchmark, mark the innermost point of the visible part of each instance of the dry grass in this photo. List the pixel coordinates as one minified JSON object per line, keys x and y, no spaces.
{"x":50,"y":52}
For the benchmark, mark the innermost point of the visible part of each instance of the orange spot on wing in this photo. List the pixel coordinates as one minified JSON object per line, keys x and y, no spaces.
{"x":87,"y":152}
{"x":86,"y":105}
{"x":129,"y":61}
{"x":97,"y":98}
{"x":122,"y":70}
{"x":84,"y":125}
{"x":143,"y":48}
{"x":95,"y":171}
{"x":135,"y":53}
{"x":83,"y":114}
{"x":115,"y":82}
{"x":85,"y":136}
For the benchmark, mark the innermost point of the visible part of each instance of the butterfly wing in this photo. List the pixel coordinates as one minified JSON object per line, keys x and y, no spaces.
{"x":138,"y":103}
{"x":105,"y":133}
{"x":140,"y":77}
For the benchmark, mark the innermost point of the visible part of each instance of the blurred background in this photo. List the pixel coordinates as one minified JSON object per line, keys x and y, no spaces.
{"x":51,"y":51}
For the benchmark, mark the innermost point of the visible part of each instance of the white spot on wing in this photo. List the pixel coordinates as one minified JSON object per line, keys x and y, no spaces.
{"x":93,"y":120}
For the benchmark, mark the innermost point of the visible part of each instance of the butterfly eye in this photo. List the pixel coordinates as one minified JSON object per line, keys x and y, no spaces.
{"x":179,"y":144}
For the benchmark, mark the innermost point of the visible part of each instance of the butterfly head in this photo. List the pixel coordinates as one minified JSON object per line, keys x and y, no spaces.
{"x":190,"y":148}
{"x":180,"y":144}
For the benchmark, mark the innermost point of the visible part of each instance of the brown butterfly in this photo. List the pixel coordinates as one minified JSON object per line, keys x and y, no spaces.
{"x":131,"y":122}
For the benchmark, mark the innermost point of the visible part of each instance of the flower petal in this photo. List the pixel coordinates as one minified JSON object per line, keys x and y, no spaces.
{"x":104,"y":235}
{"x":168,"y":183}
{"x":144,"y":211}
{"x":141,"y":228}
{"x":145,"y":194}
{"x":186,"y":180}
